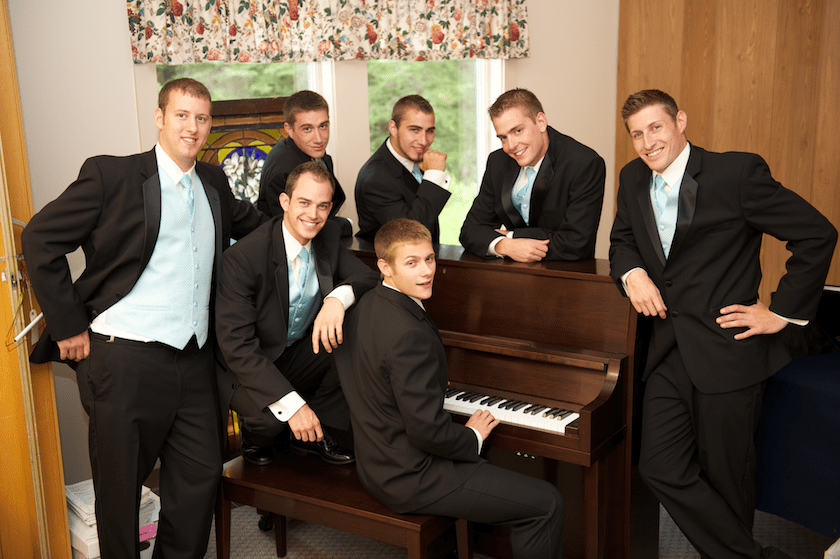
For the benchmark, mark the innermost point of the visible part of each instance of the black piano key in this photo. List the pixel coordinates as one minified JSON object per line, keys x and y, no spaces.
{"x":530,"y":408}
{"x":564,"y":414}
{"x":486,"y":401}
{"x":519,"y":406}
{"x":494,"y":401}
{"x":537,"y":410}
{"x":551,"y":413}
{"x":476,"y":397}
{"x":464,"y":395}
{"x":507,"y":404}
{"x":452,"y":391}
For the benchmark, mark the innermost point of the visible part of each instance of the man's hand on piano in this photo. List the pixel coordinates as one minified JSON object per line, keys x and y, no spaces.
{"x":523,"y":249}
{"x":483,"y":422}
{"x":644,"y":294}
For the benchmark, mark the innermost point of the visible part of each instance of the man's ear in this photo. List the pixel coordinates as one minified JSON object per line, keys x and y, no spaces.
{"x":159,"y":118}
{"x":392,"y":128}
{"x":384,"y":268}
{"x":285,"y":201}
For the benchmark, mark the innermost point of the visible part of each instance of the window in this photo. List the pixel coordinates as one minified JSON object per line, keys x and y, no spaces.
{"x":241,"y":81}
{"x":458,"y":90}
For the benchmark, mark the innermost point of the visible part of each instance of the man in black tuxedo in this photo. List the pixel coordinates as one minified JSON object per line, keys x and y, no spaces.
{"x":685,"y":250}
{"x":282,"y":294}
{"x":308,"y":126}
{"x":404,"y":178}
{"x":410,"y":454}
{"x":541,"y":195}
{"x":136,"y":323}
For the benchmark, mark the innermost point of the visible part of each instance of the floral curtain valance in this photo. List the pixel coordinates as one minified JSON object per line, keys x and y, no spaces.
{"x":190,"y":31}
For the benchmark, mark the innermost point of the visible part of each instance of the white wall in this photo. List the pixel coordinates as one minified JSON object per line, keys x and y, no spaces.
{"x":573,"y":71}
{"x":81,"y":96}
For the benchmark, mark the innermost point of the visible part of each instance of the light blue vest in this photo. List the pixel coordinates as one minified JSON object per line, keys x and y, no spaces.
{"x":171,"y":300}
{"x":302,"y":302}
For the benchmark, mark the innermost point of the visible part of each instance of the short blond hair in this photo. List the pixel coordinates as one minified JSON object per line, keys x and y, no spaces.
{"x":396,"y":233}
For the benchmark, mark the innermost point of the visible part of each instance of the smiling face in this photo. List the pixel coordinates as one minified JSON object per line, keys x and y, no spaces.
{"x":414,"y":135}
{"x":412,"y":270}
{"x":657,"y":138}
{"x":310,"y":132}
{"x":523,"y":138}
{"x":306,"y":211}
{"x":184,"y":127}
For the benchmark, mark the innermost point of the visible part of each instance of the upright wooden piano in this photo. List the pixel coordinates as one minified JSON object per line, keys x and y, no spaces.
{"x":558,"y":336}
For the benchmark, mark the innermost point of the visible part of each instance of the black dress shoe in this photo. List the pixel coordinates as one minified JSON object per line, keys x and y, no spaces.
{"x":257,"y":455}
{"x":327,"y":449}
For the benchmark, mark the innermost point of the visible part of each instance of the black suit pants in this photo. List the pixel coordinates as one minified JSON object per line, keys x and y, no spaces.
{"x":698,"y":457}
{"x":150,"y":401}
{"x":533,"y":508}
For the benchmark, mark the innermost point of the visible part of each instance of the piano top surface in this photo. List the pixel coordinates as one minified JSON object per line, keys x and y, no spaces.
{"x":564,"y":304}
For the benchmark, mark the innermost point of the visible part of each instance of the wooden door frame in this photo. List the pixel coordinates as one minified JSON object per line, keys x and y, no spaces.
{"x":33,"y":510}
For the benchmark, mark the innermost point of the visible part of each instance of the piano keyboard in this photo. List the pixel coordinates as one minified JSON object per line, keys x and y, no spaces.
{"x":511,"y":412}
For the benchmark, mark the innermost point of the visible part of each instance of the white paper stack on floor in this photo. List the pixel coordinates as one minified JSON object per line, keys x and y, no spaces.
{"x":82,"y":518}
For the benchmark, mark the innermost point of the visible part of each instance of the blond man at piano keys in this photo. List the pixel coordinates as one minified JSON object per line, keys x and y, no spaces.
{"x":410,"y":454}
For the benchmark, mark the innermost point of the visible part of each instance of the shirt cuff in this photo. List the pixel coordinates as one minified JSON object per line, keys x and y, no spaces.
{"x":796,"y":321}
{"x":624,"y":277}
{"x":440,"y":178}
{"x":287,"y":406}
{"x":344,"y":293}
{"x":491,"y":249}
{"x":478,"y":436}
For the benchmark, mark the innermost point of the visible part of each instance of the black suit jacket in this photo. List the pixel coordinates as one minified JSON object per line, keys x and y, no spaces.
{"x":565,"y":202}
{"x":252,"y":307}
{"x":281,"y":161}
{"x":392,"y":368}
{"x":727,"y":201}
{"x":386,"y":190}
{"x":112,"y":210}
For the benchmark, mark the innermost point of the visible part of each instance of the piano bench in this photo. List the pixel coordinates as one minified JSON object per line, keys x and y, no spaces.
{"x":308,"y":489}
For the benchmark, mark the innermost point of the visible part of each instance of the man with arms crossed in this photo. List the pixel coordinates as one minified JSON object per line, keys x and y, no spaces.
{"x":541,"y":195}
{"x":308,"y":126}
{"x":282,"y":295}
{"x":135,"y":324}
{"x":404,"y":178}
{"x":411,"y":455}
{"x":685,"y":250}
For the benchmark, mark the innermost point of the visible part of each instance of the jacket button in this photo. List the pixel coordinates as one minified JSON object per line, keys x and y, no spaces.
{"x":668,"y":283}
{"x":675,"y":314}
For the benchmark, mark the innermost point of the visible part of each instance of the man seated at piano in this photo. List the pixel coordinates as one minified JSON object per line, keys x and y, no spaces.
{"x":410,"y":454}
{"x":541,"y":195}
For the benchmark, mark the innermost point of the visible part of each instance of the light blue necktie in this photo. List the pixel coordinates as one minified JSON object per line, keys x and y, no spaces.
{"x":187,"y":191}
{"x":666,"y":213}
{"x":522,"y":198}
{"x":303,"y":272}
{"x":418,"y":174}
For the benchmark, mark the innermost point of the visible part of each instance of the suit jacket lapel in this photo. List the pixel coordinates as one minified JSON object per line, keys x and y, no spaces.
{"x":541,"y":186}
{"x":648,"y":216}
{"x":408,"y":304}
{"x":215,"y":209}
{"x":507,"y":203}
{"x":281,"y":270}
{"x":322,"y":267}
{"x":151,"y":205}
{"x":685,"y":211}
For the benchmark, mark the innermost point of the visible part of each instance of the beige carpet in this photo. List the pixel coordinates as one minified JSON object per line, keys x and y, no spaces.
{"x":308,"y":541}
